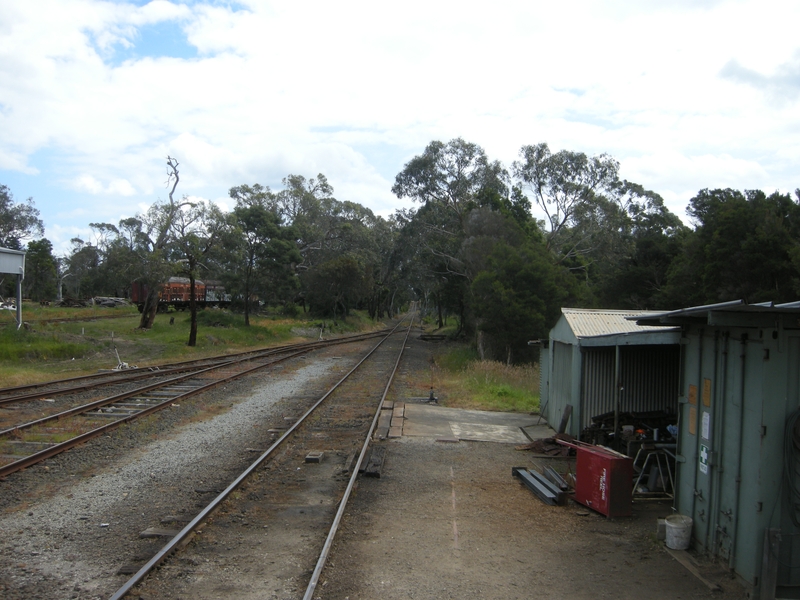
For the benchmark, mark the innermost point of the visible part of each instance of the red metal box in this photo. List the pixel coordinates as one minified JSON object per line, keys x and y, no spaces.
{"x":604,"y":479}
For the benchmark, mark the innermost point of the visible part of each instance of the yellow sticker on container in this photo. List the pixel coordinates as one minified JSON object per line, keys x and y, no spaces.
{"x":692,"y":394}
{"x":706,"y":392}
{"x":693,"y":420}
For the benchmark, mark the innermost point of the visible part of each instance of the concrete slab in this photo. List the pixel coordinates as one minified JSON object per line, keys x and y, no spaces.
{"x":538,"y":431}
{"x":430,"y":420}
{"x":486,"y":432}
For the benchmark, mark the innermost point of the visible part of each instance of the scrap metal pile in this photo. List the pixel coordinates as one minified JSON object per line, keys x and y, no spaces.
{"x":656,"y":425}
{"x":549,"y":446}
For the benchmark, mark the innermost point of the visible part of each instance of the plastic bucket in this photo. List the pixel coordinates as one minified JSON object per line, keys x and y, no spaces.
{"x":679,"y":531}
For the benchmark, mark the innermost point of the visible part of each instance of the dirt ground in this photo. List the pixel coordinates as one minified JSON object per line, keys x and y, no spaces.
{"x":448,"y":520}
{"x":444,"y":520}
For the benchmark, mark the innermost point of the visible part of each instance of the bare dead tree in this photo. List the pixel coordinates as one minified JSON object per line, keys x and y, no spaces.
{"x":161,"y":226}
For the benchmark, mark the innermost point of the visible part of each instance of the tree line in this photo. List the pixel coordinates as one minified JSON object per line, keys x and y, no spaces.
{"x":497,"y":250}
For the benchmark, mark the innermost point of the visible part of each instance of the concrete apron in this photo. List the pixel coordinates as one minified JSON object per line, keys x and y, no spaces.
{"x":454,"y":424}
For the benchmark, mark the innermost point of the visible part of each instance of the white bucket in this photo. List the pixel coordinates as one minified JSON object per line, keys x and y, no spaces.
{"x":679,"y":532}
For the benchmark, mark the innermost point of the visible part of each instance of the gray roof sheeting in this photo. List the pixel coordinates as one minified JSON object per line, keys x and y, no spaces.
{"x":594,"y":323}
{"x":703,"y":313}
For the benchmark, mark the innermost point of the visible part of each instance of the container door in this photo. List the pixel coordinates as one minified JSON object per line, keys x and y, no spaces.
{"x":740,"y":509}
{"x":789,"y":564}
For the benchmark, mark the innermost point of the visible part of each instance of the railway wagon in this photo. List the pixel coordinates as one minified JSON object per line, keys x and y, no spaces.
{"x":176,"y":293}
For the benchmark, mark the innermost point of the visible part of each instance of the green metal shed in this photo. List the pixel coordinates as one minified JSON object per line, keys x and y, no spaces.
{"x":599,"y":361}
{"x":738,"y":448}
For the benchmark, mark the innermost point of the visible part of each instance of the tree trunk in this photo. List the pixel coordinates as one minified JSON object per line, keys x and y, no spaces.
{"x":481,"y":350}
{"x":247,"y":303}
{"x":149,"y":310}
{"x":192,"y":308}
{"x":461,"y":309}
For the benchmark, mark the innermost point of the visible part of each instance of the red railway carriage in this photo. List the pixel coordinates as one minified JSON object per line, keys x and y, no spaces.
{"x":177,"y":294}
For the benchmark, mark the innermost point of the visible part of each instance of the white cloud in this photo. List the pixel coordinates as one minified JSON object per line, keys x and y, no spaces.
{"x":304,"y":88}
{"x":117,"y":187}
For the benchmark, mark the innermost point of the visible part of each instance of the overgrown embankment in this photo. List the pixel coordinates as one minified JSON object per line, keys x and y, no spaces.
{"x":464,"y":381}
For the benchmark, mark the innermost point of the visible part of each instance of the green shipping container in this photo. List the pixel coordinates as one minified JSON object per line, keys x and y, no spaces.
{"x":738,"y":473}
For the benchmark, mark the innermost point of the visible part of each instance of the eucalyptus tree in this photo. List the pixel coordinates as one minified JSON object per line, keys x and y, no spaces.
{"x":260,"y":250}
{"x":449,"y":180}
{"x":152,"y":235}
{"x":615,"y":236}
{"x":83,"y":262}
{"x":453,"y":175}
{"x":196,"y":228}
{"x":338,"y":284}
{"x":569,"y":188}
{"x":518,"y":296}
{"x":334,"y":238}
{"x":18,"y":221}
{"x":744,"y":246}
{"x":635,"y":273}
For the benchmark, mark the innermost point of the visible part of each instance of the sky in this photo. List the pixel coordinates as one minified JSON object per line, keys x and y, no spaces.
{"x":94,"y":95}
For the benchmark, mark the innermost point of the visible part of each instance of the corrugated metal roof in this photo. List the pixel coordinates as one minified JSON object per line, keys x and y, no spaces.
{"x":592,"y":323}
{"x":704,"y":312}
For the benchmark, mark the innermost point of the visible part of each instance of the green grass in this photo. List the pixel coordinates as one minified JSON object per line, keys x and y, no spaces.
{"x":467,"y":382}
{"x":19,"y":345}
{"x":33,"y":312}
{"x":59,"y":346}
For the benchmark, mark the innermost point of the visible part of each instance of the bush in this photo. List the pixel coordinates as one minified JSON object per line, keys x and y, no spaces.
{"x":219,"y":318}
{"x":290,"y":309}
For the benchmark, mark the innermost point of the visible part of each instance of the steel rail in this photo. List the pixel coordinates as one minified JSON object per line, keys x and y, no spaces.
{"x":184,"y":533}
{"x":38,"y":457}
{"x":323,"y":557}
{"x":122,"y":396}
{"x":141,"y":372}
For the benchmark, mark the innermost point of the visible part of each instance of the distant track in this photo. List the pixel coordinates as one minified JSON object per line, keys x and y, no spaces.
{"x":176,"y":382}
{"x":58,"y":387}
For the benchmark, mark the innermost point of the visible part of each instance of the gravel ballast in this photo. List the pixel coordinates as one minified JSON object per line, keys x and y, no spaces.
{"x":69,"y":540}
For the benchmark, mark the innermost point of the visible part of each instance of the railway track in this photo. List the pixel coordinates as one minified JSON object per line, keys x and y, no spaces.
{"x":277,"y":511}
{"x":117,"y":399}
{"x":68,"y":385}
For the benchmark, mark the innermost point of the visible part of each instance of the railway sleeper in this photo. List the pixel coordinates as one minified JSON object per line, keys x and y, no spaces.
{"x":112,"y":413}
{"x":32,"y":446}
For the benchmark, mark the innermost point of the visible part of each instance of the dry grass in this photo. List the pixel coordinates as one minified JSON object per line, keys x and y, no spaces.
{"x":466,"y":382}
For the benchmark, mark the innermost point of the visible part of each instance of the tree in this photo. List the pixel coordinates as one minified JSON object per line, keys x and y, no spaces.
{"x":567,"y":187}
{"x":196,"y":228}
{"x":261,"y":250}
{"x":454,"y":175}
{"x":84,"y":265}
{"x":153,"y":237}
{"x":518,"y":296}
{"x":338,"y":283}
{"x":18,"y":222}
{"x":743,"y":247}
{"x":40,"y":271}
{"x":653,"y":238}
{"x":450,"y":180}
